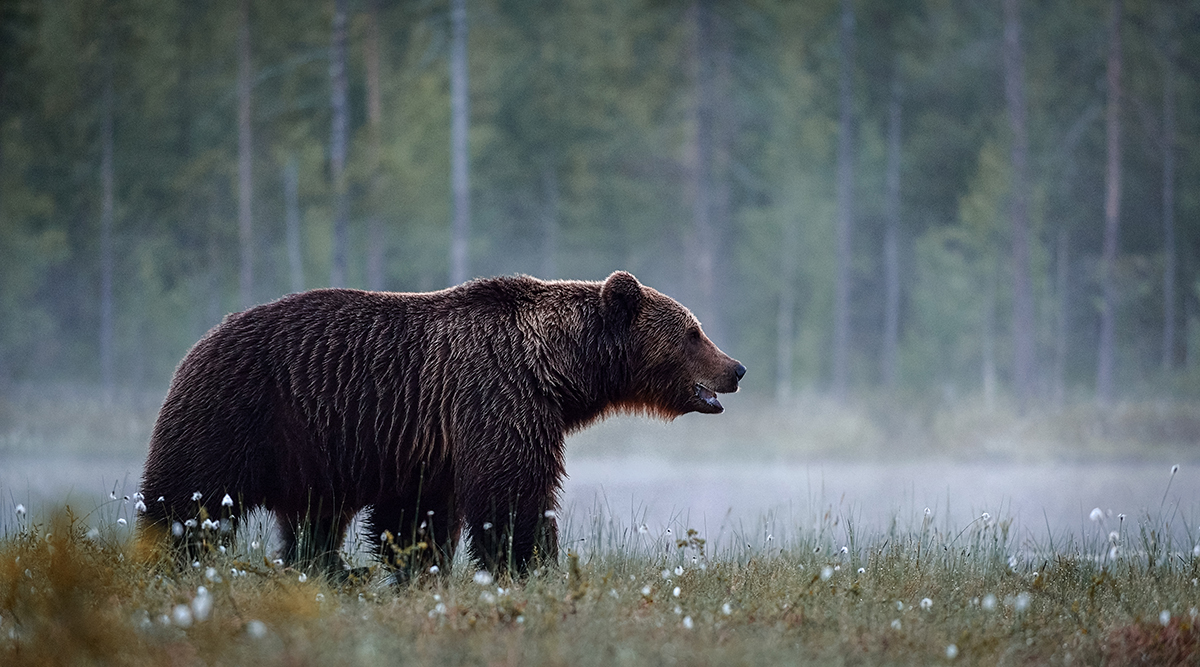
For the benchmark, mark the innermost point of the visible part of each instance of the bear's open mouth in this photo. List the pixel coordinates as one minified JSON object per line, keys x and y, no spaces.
{"x":708,"y":396}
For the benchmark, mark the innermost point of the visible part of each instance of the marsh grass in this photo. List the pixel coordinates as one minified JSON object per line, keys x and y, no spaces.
{"x":80,"y":590}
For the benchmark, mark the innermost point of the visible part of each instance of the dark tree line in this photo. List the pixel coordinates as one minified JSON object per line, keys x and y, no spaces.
{"x":952,"y":197}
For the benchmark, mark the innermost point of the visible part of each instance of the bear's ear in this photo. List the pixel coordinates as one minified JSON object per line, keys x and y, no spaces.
{"x":621,"y":296}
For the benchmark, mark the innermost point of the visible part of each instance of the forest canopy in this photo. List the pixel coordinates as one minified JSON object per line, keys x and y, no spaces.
{"x":961,"y":197}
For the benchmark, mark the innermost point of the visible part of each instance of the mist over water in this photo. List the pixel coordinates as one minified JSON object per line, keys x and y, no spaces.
{"x":748,"y":493}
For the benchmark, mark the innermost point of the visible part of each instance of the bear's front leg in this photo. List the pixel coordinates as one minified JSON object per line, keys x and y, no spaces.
{"x":507,"y":496}
{"x":512,"y":535}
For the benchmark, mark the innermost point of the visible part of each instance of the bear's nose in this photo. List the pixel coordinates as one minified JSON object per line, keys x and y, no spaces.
{"x":739,"y":371}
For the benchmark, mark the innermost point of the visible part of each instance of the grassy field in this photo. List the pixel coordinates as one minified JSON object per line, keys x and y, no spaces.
{"x":78,"y":590}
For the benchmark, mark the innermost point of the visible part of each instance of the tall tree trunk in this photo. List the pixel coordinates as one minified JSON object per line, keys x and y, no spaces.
{"x":988,"y":346}
{"x":1062,"y":267}
{"x":1112,"y":209}
{"x":702,"y":261}
{"x":1063,"y":260}
{"x":245,"y":164}
{"x":107,"y":195}
{"x":549,"y":221}
{"x":337,"y":145}
{"x":891,"y":240}
{"x":785,"y":334}
{"x":845,"y":202}
{"x":460,"y":231}
{"x":1014,"y":93}
{"x":291,"y":201}
{"x":1168,"y":202}
{"x":374,"y":121}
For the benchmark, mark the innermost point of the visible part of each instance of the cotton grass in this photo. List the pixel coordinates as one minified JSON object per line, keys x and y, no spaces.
{"x":72,"y":591}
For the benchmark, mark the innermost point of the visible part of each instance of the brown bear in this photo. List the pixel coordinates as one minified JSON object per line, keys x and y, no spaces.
{"x":438,"y":410}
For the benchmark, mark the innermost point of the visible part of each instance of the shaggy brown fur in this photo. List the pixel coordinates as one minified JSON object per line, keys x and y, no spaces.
{"x":438,"y":410}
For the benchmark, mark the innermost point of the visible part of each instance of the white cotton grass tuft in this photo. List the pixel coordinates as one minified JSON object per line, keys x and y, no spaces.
{"x":483,"y":578}
{"x":1021,"y":602}
{"x":202,"y":604}
{"x":675,"y":592}
{"x":196,"y":496}
{"x":896,"y":624}
{"x":302,"y":578}
{"x":549,"y":514}
{"x":1096,"y":515}
{"x":687,"y":623}
{"x":140,"y":506}
{"x":181,"y":615}
{"x":678,"y":570}
{"x":643,"y":529}
{"x":826,"y":573}
{"x":1164,"y":617}
{"x":926,"y":604}
{"x":227,"y":501}
{"x":19,"y":510}
{"x":122,"y":522}
{"x":726,"y":609}
{"x":646,"y":590}
{"x":989,"y":602}
{"x":433,"y":569}
{"x":256,"y":629}
{"x":952,"y":651}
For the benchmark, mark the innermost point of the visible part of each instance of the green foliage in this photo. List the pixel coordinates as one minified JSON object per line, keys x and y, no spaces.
{"x":584,"y":118}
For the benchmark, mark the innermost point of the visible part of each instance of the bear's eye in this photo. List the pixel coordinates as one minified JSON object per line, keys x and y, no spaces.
{"x":693,"y":335}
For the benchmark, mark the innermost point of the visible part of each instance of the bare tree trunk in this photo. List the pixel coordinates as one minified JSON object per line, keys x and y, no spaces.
{"x":891,"y":241}
{"x":785,"y":319}
{"x":700,"y":171}
{"x":1168,"y":200}
{"x":988,"y":346}
{"x":107,"y":196}
{"x":245,"y":164}
{"x":374,"y":121}
{"x":549,"y":221}
{"x":845,"y":202}
{"x":291,"y":199}
{"x":460,"y":231}
{"x":1112,"y":210}
{"x":337,"y":145}
{"x":1062,"y":267}
{"x":1024,"y":351}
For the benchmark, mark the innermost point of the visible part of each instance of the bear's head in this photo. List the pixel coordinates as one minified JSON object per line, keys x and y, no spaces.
{"x":675,"y":369}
